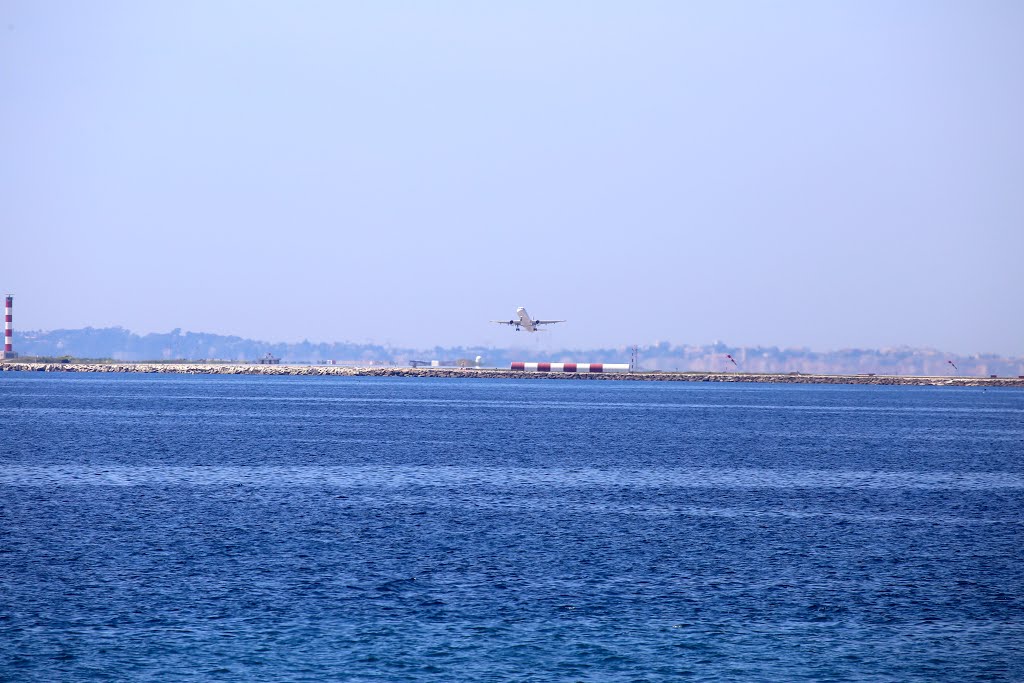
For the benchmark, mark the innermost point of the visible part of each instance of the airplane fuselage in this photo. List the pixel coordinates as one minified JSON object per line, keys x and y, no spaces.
{"x":525,"y":321}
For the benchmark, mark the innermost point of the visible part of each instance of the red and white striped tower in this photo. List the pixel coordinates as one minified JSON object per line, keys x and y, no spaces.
{"x":9,"y":328}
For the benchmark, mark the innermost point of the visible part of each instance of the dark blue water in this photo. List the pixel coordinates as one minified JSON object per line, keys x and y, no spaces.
{"x":229,"y":528}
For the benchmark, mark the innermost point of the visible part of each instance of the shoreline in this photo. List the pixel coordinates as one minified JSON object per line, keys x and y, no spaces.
{"x":348,"y":371}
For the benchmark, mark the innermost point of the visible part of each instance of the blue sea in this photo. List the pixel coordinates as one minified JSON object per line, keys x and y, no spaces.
{"x":174,"y":527}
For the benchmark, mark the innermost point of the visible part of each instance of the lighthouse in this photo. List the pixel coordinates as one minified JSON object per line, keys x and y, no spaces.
{"x":9,"y":328}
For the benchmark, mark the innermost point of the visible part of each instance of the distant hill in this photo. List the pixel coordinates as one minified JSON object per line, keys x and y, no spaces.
{"x":121,"y":344}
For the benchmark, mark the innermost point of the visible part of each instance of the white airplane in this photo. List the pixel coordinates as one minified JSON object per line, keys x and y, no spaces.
{"x":526,"y":322}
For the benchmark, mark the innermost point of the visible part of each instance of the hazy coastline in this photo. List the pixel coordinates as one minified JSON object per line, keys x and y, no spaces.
{"x":481,"y":373}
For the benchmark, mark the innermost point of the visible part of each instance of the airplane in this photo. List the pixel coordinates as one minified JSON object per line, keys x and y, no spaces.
{"x":526,"y":322}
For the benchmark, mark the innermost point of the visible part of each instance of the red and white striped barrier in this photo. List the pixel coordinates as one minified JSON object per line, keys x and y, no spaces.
{"x":570,"y":367}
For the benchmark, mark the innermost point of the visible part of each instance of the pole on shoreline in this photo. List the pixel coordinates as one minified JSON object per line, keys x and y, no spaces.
{"x":9,"y":328}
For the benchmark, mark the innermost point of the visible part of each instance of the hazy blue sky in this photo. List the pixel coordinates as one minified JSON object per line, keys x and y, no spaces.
{"x":818,"y":174}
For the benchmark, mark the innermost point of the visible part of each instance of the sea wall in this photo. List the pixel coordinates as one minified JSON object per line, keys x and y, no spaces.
{"x":344,"y":371}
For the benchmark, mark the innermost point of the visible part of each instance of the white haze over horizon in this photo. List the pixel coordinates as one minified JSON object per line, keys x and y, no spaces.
{"x":806,"y":174}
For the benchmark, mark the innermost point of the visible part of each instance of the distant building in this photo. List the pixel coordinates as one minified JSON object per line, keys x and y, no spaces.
{"x":457,"y":363}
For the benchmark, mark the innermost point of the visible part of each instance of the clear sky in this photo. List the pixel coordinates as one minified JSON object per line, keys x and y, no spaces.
{"x":820,"y":174}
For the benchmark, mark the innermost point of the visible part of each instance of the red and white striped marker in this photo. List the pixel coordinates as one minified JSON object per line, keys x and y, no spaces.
{"x":9,"y":327}
{"x":570,"y":367}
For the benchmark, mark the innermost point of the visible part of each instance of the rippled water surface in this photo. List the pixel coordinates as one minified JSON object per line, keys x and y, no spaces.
{"x":298,"y":528}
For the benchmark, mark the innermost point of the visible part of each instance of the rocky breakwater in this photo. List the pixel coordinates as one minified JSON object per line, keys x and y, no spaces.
{"x":214,"y":369}
{"x":247,"y":369}
{"x":344,"y":371}
{"x":881,"y":380}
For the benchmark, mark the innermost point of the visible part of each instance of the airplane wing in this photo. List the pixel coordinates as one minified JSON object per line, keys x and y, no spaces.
{"x":506,"y":322}
{"x":547,"y":322}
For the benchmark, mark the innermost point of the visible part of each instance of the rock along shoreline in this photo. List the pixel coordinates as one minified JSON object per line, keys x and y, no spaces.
{"x":347,"y":371}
